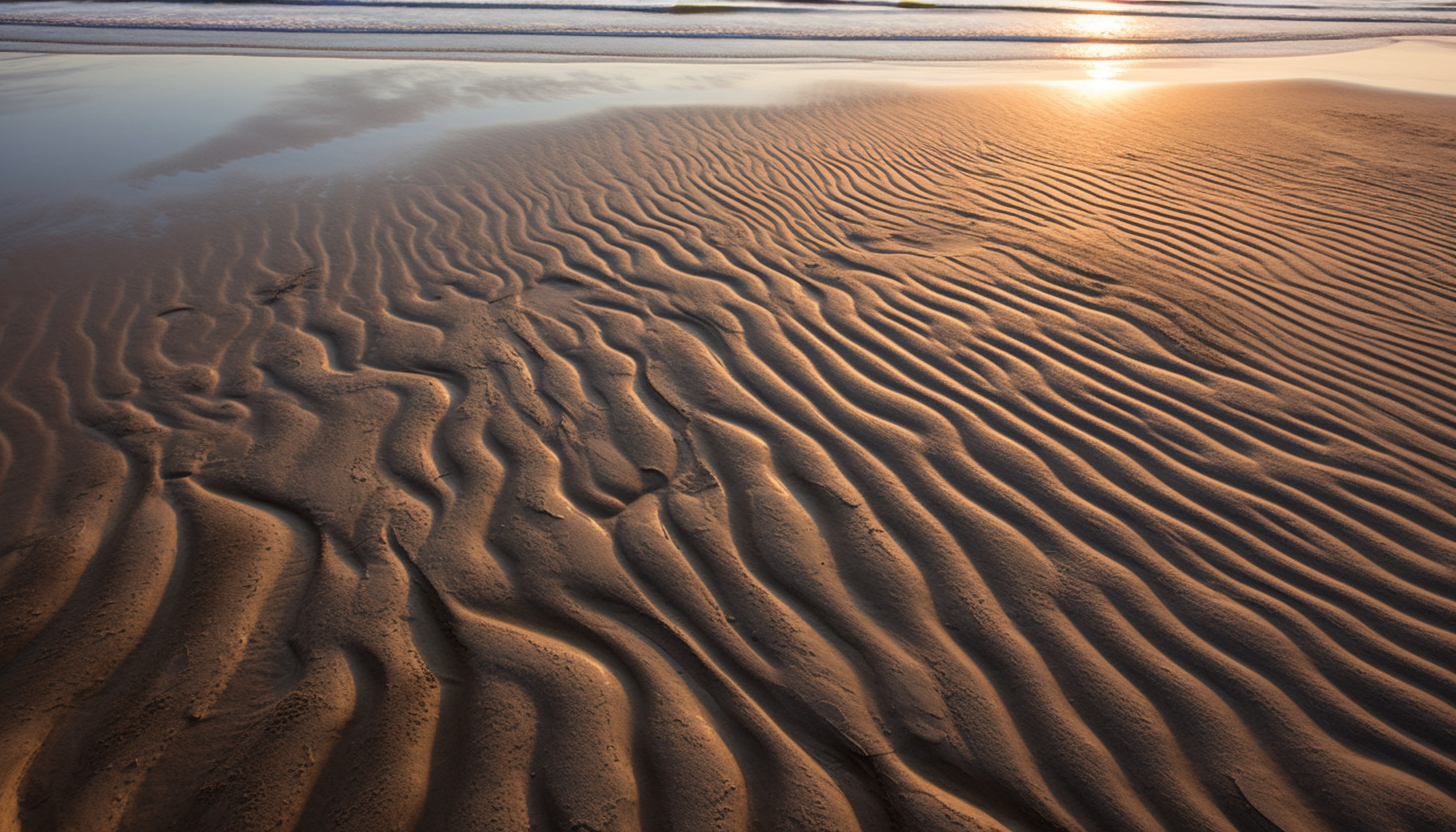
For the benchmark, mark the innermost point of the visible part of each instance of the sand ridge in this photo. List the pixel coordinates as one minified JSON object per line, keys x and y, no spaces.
{"x":999,"y":459}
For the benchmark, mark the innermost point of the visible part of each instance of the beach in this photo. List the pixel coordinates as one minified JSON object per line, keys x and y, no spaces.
{"x":896,"y":453}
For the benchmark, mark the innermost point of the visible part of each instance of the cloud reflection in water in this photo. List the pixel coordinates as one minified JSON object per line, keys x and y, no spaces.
{"x":325,"y":108}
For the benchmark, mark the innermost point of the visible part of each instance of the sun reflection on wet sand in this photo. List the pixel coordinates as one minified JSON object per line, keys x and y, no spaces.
{"x":1102,"y":78}
{"x":1102,"y":73}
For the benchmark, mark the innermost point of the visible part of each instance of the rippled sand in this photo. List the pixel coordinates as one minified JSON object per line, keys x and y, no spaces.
{"x":1003,"y":459}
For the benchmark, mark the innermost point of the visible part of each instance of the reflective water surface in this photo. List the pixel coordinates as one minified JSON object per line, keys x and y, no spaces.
{"x":82,"y":134}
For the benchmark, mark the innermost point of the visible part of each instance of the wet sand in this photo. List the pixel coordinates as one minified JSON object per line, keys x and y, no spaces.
{"x":1001,"y":458}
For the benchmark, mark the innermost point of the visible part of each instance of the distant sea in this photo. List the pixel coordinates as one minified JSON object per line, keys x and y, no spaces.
{"x":909,"y":30}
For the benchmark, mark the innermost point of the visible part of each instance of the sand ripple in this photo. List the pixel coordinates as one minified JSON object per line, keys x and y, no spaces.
{"x":989,"y":460}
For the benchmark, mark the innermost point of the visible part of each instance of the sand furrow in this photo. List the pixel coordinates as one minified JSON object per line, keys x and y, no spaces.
{"x":964,"y":459}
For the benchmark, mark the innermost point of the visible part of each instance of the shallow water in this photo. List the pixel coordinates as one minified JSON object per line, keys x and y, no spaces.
{"x":85,"y":135}
{"x":880,"y":29}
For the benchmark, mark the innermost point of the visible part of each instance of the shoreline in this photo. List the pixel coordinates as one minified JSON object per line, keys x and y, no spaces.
{"x":1409,"y":63}
{"x":687,"y":44}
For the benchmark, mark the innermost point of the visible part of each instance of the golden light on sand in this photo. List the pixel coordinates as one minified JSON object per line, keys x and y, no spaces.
{"x":943,"y":457}
{"x":1103,"y":77}
{"x":1100,"y":75}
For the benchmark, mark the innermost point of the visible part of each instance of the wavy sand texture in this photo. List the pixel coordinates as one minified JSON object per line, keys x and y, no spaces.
{"x":1000,"y":460}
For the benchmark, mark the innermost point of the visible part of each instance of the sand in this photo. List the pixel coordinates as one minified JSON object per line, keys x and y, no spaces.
{"x":995,"y":459}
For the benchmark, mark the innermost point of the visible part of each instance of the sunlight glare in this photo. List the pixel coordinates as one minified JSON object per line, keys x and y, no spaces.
{"x":1102,"y":78}
{"x":1101,"y":25}
{"x":1104,"y":36}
